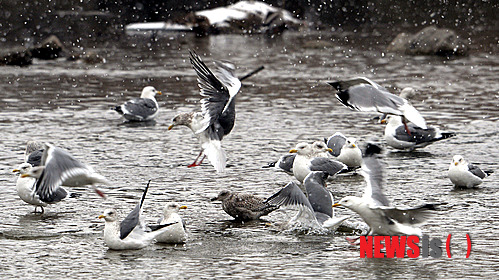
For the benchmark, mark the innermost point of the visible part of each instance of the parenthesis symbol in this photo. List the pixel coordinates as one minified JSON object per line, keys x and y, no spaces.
{"x":447,"y":246}
{"x":468,"y":239}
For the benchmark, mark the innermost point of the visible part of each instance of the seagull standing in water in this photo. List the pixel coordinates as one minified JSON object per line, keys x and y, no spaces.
{"x":144,"y":108}
{"x":315,"y":205}
{"x":59,"y":168}
{"x":244,"y":207}
{"x":345,"y":150}
{"x":464,"y":174}
{"x":307,"y":161}
{"x":218,"y":110}
{"x":362,"y":94}
{"x":175,"y":232}
{"x":374,"y":208}
{"x":131,"y":233}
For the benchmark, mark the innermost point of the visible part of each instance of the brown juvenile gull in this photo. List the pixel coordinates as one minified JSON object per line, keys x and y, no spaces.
{"x":374,"y":208}
{"x":218,"y":110}
{"x":362,"y":94}
{"x":464,"y":174}
{"x":144,"y":108}
{"x":60,"y":168}
{"x":244,"y":207}
{"x":131,"y":233}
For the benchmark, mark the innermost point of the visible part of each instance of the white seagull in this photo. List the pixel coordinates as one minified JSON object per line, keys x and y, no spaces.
{"x":131,"y":233}
{"x":345,"y":150}
{"x":306,"y":161}
{"x":176,"y":232}
{"x":374,"y":208}
{"x":362,"y":94}
{"x":398,"y":137}
{"x":144,"y":108}
{"x":464,"y":174}
{"x":59,"y":168}
{"x":218,"y":110}
{"x":315,"y":205}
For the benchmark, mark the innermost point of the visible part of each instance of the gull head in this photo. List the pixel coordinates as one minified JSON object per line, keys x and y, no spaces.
{"x":458,"y":160}
{"x":185,"y":119}
{"x":320,"y":147}
{"x":351,"y":202}
{"x":35,"y":172}
{"x":350,"y":143}
{"x":222,"y":195}
{"x":303,"y":149}
{"x":109,"y":215}
{"x":149,"y":92}
{"x":172,"y":207}
{"x":23,"y":168}
{"x":408,"y":93}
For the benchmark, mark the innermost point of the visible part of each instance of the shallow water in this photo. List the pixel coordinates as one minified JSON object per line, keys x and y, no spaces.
{"x":67,"y":104}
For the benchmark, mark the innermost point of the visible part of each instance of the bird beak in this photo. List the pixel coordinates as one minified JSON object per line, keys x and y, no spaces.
{"x":214,"y":198}
{"x":353,"y":145}
{"x":159,"y":92}
{"x":101,"y":216}
{"x":171,"y":126}
{"x":293,"y":151}
{"x":16,"y":170}
{"x":455,"y":163}
{"x":336,"y":205}
{"x":383,"y":121}
{"x":24,"y":175}
{"x":330,"y":150}
{"x":183,"y":207}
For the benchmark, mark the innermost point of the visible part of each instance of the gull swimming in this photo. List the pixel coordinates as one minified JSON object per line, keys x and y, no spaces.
{"x":362,"y":94}
{"x":131,"y":233}
{"x":398,"y":137}
{"x":144,"y":108}
{"x":315,"y":205}
{"x":218,"y":110}
{"x":59,"y":168}
{"x":243,"y":206}
{"x":374,"y":208}
{"x":345,"y":150}
{"x":25,"y":187}
{"x":306,"y":161}
{"x":175,"y":233}
{"x":464,"y":174}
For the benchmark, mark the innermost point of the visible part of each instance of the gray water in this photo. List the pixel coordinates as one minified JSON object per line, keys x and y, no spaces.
{"x":67,"y":104}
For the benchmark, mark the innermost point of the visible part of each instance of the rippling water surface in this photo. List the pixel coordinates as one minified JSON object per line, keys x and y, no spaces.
{"x":67,"y":104}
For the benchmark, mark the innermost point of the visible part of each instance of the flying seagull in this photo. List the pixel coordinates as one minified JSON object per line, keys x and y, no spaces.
{"x":144,"y":108}
{"x":315,"y":205}
{"x":244,"y":207}
{"x":464,"y":174}
{"x":374,"y":208}
{"x":362,"y":94}
{"x":59,"y":168}
{"x":131,"y":233}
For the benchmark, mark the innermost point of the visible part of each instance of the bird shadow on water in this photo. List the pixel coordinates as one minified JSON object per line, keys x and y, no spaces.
{"x":138,"y":124}
{"x":408,"y":155}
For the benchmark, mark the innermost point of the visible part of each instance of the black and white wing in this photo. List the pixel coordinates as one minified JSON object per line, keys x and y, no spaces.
{"x":475,"y":170}
{"x":217,"y":95}
{"x":362,"y":94}
{"x":372,"y":170}
{"x":318,"y":196}
{"x":409,"y":216}
{"x":285,"y":162}
{"x":335,"y":143}
{"x":133,"y":219}
{"x":290,"y":195}
{"x":332,"y":167}
{"x":140,"y":108}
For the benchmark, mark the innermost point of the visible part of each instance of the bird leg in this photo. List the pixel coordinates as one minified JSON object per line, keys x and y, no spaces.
{"x":195,"y":163}
{"x":352,"y":241}
{"x":404,"y":121}
{"x":99,"y":192}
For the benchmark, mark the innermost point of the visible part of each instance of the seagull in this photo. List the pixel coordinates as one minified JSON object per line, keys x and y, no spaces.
{"x":59,"y":168}
{"x":362,"y":94}
{"x":285,"y":163}
{"x":464,"y":174}
{"x":345,"y":150}
{"x":315,"y":206}
{"x":176,"y":232}
{"x":131,"y":233}
{"x":144,"y":108}
{"x":398,"y":137}
{"x":25,"y":187}
{"x":306,"y":161}
{"x":244,"y":207}
{"x":374,"y":208}
{"x":218,"y":107}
